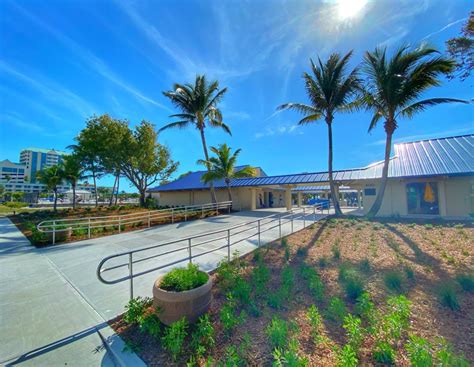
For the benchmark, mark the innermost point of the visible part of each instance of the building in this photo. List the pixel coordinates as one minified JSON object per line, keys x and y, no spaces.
{"x":427,"y":178}
{"x":36,"y":159}
{"x":12,"y":172}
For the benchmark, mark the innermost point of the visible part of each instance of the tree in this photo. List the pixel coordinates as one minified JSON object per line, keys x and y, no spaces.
{"x":51,"y":177}
{"x":17,"y":196}
{"x":461,"y":49}
{"x":198,"y":106}
{"x":393,"y":89}
{"x":2,"y":191}
{"x":147,"y":161}
{"x":223,"y":167}
{"x":72,"y":172}
{"x":330,"y":90}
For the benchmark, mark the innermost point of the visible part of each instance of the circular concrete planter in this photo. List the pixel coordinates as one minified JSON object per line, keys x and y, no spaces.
{"x":61,"y":235}
{"x":172,"y":306}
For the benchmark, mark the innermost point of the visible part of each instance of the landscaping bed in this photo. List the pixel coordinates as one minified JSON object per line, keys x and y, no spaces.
{"x":344,"y":292}
{"x":26,"y":222}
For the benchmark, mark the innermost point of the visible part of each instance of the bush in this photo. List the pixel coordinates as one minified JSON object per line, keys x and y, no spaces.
{"x":419,"y":351}
{"x":184,"y":279}
{"x":38,"y":237}
{"x":354,"y":287}
{"x":409,"y":273}
{"x":277,"y":332}
{"x":15,"y":204}
{"x":354,"y":331}
{"x":135,"y":309}
{"x":336,"y":309}
{"x":347,"y":357}
{"x":466,"y":281}
{"x":242,"y":291}
{"x":150,"y":323}
{"x":228,"y":272}
{"x":315,"y":320}
{"x":393,"y":280}
{"x":323,"y":262}
{"x":203,"y":336}
{"x":260,"y":278}
{"x":173,"y":338}
{"x":448,"y":297}
{"x":365,"y":307}
{"x":447,"y":357}
{"x":336,"y":251}
{"x":364,"y":266}
{"x":289,"y":356}
{"x":228,"y":316}
{"x":384,"y":353}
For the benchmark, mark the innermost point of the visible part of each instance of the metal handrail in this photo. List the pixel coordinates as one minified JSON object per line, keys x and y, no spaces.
{"x":256,"y":225}
{"x":88,"y":223}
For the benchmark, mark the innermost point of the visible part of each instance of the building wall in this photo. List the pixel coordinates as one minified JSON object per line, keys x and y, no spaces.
{"x":455,"y":196}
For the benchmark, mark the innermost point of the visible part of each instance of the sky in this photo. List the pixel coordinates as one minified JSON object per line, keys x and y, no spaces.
{"x":64,"y":61}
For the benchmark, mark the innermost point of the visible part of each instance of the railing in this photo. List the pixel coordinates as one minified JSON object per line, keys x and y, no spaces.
{"x":54,"y":226}
{"x":228,"y":237}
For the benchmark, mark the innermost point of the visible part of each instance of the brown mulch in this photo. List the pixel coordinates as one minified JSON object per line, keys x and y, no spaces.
{"x":436,"y":252}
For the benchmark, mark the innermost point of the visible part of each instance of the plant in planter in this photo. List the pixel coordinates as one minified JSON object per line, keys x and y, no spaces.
{"x":183,"y":292}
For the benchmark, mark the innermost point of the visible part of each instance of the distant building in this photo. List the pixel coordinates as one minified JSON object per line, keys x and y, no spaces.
{"x":37,"y":159}
{"x":12,"y":172}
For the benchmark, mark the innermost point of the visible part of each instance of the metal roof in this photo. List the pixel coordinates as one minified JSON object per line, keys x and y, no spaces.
{"x":452,"y":156}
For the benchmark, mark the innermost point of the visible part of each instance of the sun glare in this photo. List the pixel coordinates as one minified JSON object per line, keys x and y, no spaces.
{"x":349,"y":8}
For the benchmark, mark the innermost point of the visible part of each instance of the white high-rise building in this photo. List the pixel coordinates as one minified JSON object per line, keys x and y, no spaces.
{"x":36,"y":159}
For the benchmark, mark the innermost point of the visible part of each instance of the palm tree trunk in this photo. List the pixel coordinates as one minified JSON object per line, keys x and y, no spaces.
{"x":118,"y":187}
{"x":95,"y":189}
{"x":389,"y":129}
{"x":206,"y":155}
{"x":55,"y":190}
{"x":334,"y":196}
{"x":73,"y":195}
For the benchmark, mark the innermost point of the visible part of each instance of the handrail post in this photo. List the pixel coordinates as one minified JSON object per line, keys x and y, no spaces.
{"x":258,"y":226}
{"x":291,"y":221}
{"x":172,"y":215}
{"x":228,"y":245}
{"x":54,"y":232}
{"x":304,"y":217}
{"x":230,"y":206}
{"x":189,"y":251}
{"x":89,"y":228}
{"x":149,"y":219}
{"x":130,"y":270}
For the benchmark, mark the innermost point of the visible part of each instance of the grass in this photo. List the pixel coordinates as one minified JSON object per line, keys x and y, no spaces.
{"x":314,"y":309}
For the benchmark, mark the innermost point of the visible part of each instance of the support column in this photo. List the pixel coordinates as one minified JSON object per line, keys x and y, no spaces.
{"x":359,"y":198}
{"x":288,"y":198}
{"x":253,"y":199}
{"x":299,"y":199}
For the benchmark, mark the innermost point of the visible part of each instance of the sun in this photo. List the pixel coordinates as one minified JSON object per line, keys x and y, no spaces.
{"x":349,"y":8}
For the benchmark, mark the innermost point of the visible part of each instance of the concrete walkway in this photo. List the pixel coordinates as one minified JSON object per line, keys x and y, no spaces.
{"x":43,"y":319}
{"x":53,"y":309}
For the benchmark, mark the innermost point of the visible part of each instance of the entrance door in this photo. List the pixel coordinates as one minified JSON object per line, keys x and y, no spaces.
{"x":422,"y":198}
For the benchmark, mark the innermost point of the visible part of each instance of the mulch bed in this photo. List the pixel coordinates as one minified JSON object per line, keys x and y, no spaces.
{"x":436,"y":252}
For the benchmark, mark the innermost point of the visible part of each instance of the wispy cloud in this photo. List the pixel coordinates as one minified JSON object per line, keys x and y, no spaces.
{"x":91,"y":60}
{"x":20,"y":122}
{"x":278,"y":130}
{"x":447,"y":26}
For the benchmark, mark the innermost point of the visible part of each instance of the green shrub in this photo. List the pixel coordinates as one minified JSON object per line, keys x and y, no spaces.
{"x":228,"y":315}
{"x":242,"y":291}
{"x":364,"y":266}
{"x":203,"y":336}
{"x":393,"y":280}
{"x":336,"y":251}
{"x":150,"y":323}
{"x":287,"y":254}
{"x":15,"y":204}
{"x":277,"y":332}
{"x":466,"y":281}
{"x":302,"y":251}
{"x":323,"y":262}
{"x":409,"y":273}
{"x":347,"y":357}
{"x":79,"y":232}
{"x":184,"y":279}
{"x":365,"y":307}
{"x":428,"y":226}
{"x":260,"y":278}
{"x":314,"y":318}
{"x":289,"y":357}
{"x":38,"y":237}
{"x":336,"y":309}
{"x":236,"y":356}
{"x":135,"y":309}
{"x":448,"y":297}
{"x":354,"y":287}
{"x":354,"y":331}
{"x":446,"y":357}
{"x":174,"y":336}
{"x":384,"y":353}
{"x":419,"y":351}
{"x":227,"y":274}
{"x":394,"y":323}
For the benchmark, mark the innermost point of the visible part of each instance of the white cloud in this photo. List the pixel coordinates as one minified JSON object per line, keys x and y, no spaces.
{"x":278,"y":130}
{"x":449,"y":25}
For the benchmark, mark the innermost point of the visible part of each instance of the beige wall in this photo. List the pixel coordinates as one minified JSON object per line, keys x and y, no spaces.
{"x":455,"y":196}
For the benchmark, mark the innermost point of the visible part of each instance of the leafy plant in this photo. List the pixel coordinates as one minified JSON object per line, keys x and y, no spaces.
{"x":448,"y":297}
{"x":289,"y":357}
{"x":203,"y":336}
{"x":446,"y":357}
{"x":393,"y":280}
{"x":336,"y":251}
{"x":419,"y":351}
{"x":384,"y":353}
{"x":277,"y":332}
{"x":314,"y":318}
{"x":466,"y":281}
{"x":184,"y":279}
{"x":336,"y":309}
{"x":228,"y":316}
{"x":174,"y":336}
{"x":242,"y":291}
{"x":354,"y":331}
{"x":150,"y":323}
{"x":347,"y":357}
{"x":364,"y":266}
{"x":135,"y":309}
{"x":260,"y":278}
{"x":227,"y":274}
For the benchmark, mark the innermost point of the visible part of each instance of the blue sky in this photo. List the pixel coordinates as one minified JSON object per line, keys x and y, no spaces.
{"x":62,"y":61}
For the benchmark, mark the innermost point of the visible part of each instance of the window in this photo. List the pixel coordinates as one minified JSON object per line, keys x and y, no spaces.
{"x":422,"y":198}
{"x":369,"y":192}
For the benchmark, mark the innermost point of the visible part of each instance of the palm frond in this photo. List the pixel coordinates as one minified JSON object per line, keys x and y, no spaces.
{"x":419,"y":106}
{"x":175,"y":125}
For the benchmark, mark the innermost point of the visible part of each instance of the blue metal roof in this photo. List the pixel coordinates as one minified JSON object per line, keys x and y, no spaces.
{"x":452,"y":156}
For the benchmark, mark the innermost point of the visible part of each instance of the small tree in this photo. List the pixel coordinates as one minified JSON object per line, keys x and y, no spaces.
{"x":51,"y":177}
{"x":72,"y":173}
{"x":17,"y":196}
{"x":461,"y":49}
{"x":223,"y":167}
{"x":147,"y":162}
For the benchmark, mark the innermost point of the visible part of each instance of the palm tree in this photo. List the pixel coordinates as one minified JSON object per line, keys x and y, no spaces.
{"x":72,"y":172}
{"x":51,"y":177}
{"x":223,"y":167}
{"x":393,"y":90}
{"x":198,"y":106}
{"x":330,"y":90}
